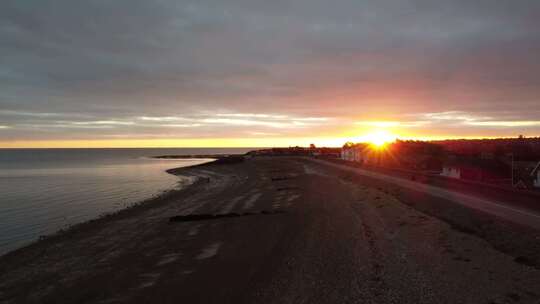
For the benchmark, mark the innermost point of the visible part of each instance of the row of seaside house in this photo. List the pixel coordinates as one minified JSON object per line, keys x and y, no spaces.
{"x":519,"y":173}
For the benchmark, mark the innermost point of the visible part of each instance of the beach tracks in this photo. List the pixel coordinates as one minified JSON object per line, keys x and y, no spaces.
{"x":268,"y":230}
{"x":211,"y":235}
{"x":284,"y":182}
{"x":206,"y":217}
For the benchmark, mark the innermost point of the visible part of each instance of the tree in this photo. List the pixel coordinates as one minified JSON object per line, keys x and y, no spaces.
{"x":348,"y":145}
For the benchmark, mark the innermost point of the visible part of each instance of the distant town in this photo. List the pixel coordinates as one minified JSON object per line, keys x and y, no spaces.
{"x":504,"y":162}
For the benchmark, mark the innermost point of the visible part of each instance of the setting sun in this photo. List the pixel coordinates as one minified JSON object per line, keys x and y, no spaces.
{"x":379,"y":138}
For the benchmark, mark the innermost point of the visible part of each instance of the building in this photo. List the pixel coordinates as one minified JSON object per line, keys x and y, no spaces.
{"x":355,"y":153}
{"x":347,"y":153}
{"x":451,"y":171}
{"x":476,"y":170}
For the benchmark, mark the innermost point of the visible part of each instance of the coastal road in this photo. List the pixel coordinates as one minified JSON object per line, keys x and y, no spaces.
{"x":500,"y":209}
{"x":282,"y":230}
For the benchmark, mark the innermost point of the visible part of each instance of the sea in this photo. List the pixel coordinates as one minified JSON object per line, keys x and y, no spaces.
{"x":45,"y":190}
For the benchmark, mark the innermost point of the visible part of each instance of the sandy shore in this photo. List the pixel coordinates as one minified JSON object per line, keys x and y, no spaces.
{"x":301,"y":232}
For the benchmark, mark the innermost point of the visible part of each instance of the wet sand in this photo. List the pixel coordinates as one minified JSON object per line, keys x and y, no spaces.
{"x":281,"y":230}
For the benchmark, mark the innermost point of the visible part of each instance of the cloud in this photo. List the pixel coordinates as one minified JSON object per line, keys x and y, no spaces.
{"x":247,"y":122}
{"x":263,"y":134}
{"x":103,"y":122}
{"x":193,"y":125}
{"x":474,"y":120}
{"x":306,"y":67}
{"x":252,"y":115}
{"x":513,"y":124}
{"x":454,"y":116}
{"x":37,"y":114}
{"x":52,"y":126}
{"x":393,"y":124}
{"x":164,"y":118}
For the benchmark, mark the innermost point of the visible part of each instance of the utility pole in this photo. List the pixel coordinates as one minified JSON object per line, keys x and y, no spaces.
{"x":512,"y":170}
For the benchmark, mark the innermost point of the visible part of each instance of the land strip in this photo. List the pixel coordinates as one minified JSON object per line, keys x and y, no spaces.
{"x":332,"y":237}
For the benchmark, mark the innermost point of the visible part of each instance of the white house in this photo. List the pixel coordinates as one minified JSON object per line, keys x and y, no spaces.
{"x":347,"y":153}
{"x":450,"y":171}
{"x":476,"y":169}
{"x":355,"y":153}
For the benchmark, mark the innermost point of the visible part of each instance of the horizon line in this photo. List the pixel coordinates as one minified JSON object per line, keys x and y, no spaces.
{"x":239,"y":143}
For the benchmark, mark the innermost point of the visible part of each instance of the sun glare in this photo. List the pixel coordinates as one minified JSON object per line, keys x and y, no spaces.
{"x":379,"y":138}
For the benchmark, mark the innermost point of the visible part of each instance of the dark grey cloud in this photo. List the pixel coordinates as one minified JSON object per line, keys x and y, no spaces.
{"x":65,"y":64}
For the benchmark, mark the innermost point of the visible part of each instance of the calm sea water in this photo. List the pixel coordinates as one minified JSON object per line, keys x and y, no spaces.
{"x":44,"y":190}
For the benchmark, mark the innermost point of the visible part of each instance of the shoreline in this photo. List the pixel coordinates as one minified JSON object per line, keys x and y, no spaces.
{"x":164,"y":197}
{"x":140,"y":204}
{"x":260,"y":227}
{"x":197,"y":156}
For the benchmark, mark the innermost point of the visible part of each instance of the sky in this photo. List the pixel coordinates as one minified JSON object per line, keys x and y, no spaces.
{"x":254,"y":73}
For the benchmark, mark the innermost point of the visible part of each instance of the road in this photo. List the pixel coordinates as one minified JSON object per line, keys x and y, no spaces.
{"x":501,"y":209}
{"x":300,"y":234}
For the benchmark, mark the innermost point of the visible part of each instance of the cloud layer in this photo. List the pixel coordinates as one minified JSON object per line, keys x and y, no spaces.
{"x":239,"y":68}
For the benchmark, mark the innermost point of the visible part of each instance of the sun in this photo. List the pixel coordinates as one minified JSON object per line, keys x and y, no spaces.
{"x":379,"y":138}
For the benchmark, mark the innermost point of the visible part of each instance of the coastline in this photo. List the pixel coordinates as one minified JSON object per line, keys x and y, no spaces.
{"x":327,"y":222}
{"x":160,"y":197}
{"x":197,"y":156}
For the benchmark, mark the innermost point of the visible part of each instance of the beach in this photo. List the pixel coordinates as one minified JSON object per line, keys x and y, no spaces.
{"x":46,"y":190}
{"x":281,"y":230}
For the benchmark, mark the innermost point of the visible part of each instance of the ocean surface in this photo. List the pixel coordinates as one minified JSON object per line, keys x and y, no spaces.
{"x":45,"y":190}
